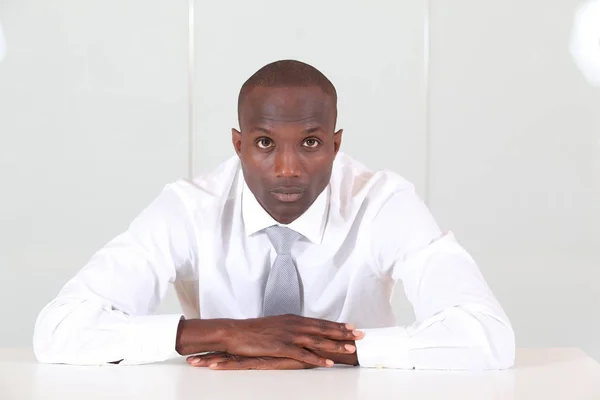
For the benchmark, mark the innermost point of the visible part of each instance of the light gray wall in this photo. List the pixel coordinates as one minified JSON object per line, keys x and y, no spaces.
{"x":93,"y":111}
{"x":493,"y":123}
{"x":515,"y":161}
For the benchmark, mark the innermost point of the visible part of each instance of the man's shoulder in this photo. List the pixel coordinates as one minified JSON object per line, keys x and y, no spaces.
{"x":212,"y":187}
{"x":352,"y":180}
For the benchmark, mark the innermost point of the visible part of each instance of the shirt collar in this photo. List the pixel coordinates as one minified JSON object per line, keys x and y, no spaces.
{"x":311,"y":224}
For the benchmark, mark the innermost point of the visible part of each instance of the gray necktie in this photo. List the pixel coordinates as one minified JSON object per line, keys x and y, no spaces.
{"x":282,"y":293}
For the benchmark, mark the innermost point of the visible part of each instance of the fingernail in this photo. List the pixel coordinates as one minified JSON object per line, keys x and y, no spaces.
{"x":357,"y":333}
{"x":329,"y":363}
{"x":349,"y":327}
{"x":196,"y":361}
{"x":350,"y":348}
{"x":213,"y":365}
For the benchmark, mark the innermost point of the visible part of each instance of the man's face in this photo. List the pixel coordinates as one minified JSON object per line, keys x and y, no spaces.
{"x":287,"y":146}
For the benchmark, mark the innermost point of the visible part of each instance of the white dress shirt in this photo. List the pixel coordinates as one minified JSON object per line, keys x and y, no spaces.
{"x":364,"y":232}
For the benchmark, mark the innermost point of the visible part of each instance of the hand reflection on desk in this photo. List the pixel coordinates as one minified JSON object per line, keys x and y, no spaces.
{"x":225,"y":361}
{"x":538,"y":373}
{"x":176,"y":380}
{"x":560,"y":373}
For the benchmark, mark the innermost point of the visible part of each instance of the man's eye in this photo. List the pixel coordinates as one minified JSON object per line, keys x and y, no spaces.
{"x":311,"y":143}
{"x":265,"y":143}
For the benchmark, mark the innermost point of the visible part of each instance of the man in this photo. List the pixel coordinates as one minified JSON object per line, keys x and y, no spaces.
{"x":278,"y":256}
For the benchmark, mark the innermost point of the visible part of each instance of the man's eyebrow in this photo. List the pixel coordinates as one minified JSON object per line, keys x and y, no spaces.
{"x":261,"y":129}
{"x":313,"y":130}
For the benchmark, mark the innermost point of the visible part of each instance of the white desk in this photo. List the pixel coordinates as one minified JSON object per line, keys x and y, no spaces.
{"x":548,"y":374}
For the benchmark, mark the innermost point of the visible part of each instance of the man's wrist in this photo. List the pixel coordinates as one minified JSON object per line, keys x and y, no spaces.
{"x":200,"y":336}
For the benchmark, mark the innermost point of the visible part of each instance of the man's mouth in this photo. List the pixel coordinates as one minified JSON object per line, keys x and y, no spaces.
{"x":288,"y":194}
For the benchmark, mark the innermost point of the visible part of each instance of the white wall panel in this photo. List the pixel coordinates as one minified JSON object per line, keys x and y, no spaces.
{"x":515,"y":161}
{"x":93,"y":113}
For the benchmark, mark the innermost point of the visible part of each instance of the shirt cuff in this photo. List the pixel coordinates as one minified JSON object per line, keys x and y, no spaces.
{"x":384,"y":348}
{"x":152,"y":338}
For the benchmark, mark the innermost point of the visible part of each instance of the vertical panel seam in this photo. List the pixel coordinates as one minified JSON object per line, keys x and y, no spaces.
{"x":191,"y":108}
{"x":426,"y":100}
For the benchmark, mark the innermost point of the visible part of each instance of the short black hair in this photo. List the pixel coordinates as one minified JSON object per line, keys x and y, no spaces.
{"x":287,"y":73}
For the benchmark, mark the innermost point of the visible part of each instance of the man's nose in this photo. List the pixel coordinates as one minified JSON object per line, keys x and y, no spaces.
{"x":287,"y":164}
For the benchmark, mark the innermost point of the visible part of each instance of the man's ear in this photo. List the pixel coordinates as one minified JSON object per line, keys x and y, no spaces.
{"x":337,"y":140}
{"x":236,"y":140}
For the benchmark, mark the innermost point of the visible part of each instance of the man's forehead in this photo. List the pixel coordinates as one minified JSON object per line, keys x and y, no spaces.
{"x":267,"y":100}
{"x":307,"y":119}
{"x":301,"y":104}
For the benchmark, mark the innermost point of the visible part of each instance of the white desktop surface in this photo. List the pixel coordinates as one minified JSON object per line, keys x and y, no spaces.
{"x":548,"y":374}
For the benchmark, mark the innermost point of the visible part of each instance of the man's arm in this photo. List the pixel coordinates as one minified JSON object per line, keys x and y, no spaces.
{"x":104,"y":314}
{"x":460,"y":324}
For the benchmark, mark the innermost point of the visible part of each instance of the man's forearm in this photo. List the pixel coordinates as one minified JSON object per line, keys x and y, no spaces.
{"x":202,"y":335}
{"x":210,"y":335}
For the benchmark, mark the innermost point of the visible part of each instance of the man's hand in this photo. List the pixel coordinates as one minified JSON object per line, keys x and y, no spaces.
{"x":225,"y":361}
{"x":284,"y":337}
{"x":291,"y":336}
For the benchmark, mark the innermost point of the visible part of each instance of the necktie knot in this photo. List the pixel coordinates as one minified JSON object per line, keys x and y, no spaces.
{"x":282,"y":238}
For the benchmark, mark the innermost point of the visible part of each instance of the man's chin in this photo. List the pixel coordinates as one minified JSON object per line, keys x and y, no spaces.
{"x":286,"y":212}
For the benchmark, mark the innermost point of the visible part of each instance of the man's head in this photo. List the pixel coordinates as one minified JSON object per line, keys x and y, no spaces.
{"x":287,"y":141}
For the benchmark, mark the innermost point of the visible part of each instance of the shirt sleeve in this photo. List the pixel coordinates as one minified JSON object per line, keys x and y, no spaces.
{"x":459,"y":323}
{"x":105,"y":313}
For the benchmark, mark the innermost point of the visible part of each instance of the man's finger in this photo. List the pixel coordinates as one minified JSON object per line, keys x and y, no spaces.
{"x":326,"y":345}
{"x":256,"y":363}
{"x":333,"y":333}
{"x":206,"y":356}
{"x":328,"y":329}
{"x":305,"y":356}
{"x":205,"y":360}
{"x":322,"y":325}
